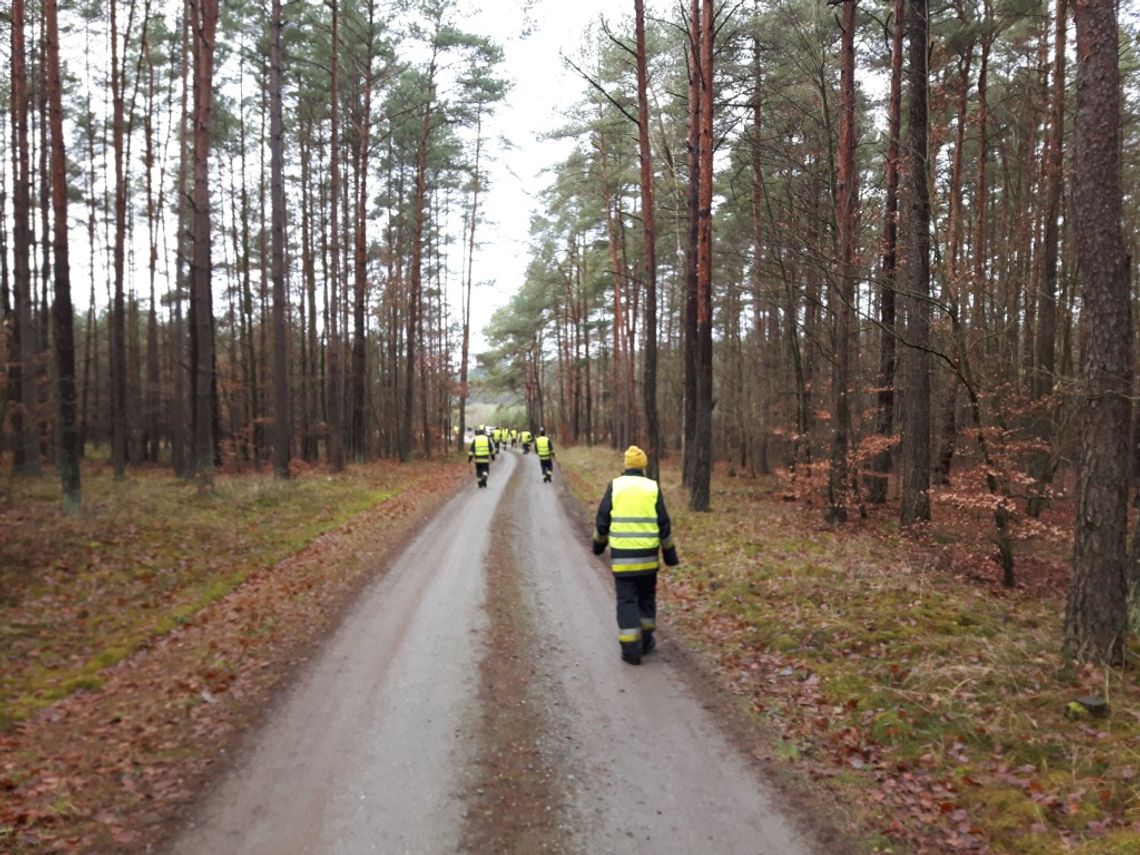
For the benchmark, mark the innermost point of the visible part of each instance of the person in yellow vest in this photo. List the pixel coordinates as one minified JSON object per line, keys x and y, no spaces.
{"x":480,"y":452}
{"x":633,"y":520}
{"x":525,"y":440}
{"x":544,"y":448}
{"x":514,"y":438}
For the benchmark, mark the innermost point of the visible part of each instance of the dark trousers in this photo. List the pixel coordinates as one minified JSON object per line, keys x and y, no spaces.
{"x":481,"y":469}
{"x":636,"y":609}
{"x":547,"y":466}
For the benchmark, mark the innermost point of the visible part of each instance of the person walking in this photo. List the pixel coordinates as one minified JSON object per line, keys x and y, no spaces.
{"x":480,"y":452}
{"x":544,"y":448}
{"x":633,"y":521}
{"x":524,"y":441}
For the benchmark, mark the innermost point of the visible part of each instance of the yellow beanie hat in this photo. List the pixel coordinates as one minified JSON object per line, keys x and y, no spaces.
{"x":635,"y":458}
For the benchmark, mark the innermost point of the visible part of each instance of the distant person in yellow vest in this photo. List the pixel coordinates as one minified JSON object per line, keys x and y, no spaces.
{"x":497,"y":435}
{"x":525,"y":440}
{"x":480,"y":452}
{"x":514,"y":438}
{"x":544,"y":448}
{"x":632,"y":519}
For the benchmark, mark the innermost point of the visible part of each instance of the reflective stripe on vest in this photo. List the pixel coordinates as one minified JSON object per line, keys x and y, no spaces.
{"x":542,"y":446}
{"x":482,"y":447}
{"x":634,"y":536}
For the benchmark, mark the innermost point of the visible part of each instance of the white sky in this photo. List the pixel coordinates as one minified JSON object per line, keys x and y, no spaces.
{"x":543,"y":87}
{"x":534,"y":34}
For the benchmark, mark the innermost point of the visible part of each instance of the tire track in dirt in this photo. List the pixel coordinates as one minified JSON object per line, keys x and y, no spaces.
{"x":515,"y":800}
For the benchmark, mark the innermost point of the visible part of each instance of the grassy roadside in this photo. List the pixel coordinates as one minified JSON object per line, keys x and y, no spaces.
{"x":78,"y":595}
{"x":923,"y":693}
{"x":142,"y":635}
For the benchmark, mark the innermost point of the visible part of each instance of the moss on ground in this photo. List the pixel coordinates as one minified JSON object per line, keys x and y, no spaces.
{"x":855,"y":646}
{"x":142,"y":558}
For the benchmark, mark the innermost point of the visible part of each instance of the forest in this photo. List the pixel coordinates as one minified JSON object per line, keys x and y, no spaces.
{"x":882,"y":249}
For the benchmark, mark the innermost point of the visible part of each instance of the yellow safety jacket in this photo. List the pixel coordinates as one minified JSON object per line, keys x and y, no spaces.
{"x":525,"y":437}
{"x":542,"y":447}
{"x":481,"y":448}
{"x":634,"y":536}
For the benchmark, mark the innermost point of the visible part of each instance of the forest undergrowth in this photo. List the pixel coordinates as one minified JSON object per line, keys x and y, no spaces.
{"x":897,"y":671}
{"x":138,"y":638}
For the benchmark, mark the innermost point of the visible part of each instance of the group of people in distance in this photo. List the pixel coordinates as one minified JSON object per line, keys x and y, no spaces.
{"x":631,"y":520}
{"x":488,"y":441}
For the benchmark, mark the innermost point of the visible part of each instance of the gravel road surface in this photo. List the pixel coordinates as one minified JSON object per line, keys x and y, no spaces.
{"x":474,"y":701}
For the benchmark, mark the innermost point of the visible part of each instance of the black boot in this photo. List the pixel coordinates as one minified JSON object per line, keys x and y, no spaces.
{"x":631,"y":652}
{"x":647,"y":642}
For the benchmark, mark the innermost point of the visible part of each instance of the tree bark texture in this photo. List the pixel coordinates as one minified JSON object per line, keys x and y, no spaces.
{"x":27,"y":453}
{"x":649,"y":228}
{"x":915,"y":506}
{"x":205,"y":24}
{"x":880,"y":464}
{"x":699,"y":493}
{"x":334,"y":395}
{"x":1096,"y":620}
{"x":68,"y":459}
{"x":282,"y":420}
{"x":846,"y":216}
{"x":689,"y":322}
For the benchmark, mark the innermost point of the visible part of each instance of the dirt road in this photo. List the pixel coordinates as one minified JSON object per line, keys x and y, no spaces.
{"x":474,"y":701}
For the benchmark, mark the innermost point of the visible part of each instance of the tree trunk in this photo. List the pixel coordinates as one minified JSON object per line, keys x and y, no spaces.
{"x":68,"y":461}
{"x":120,"y":425}
{"x":649,"y":228}
{"x":1043,"y":465}
{"x":980,"y":195}
{"x":699,"y":493}
{"x":885,"y":395}
{"x":205,"y":23}
{"x":336,"y":434}
{"x":416,"y":273}
{"x":846,"y":215}
{"x":26,"y":459}
{"x":952,"y":280}
{"x":282,"y":421}
{"x":467,"y":286}
{"x":1054,"y":165}
{"x":180,"y":439}
{"x":1096,"y":618}
{"x":759,"y":451}
{"x":915,"y":505}
{"x":360,"y":250}
{"x":689,"y":335}
{"x":152,"y":389}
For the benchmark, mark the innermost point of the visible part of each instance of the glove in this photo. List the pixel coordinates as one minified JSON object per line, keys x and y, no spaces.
{"x":599,"y":548}
{"x":671,"y":556}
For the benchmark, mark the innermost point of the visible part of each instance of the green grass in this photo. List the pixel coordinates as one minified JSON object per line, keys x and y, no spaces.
{"x":926,"y":669}
{"x":80,"y":594}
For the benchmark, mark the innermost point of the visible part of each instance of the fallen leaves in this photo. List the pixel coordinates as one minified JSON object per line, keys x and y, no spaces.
{"x":104,"y":769}
{"x":898,"y":672}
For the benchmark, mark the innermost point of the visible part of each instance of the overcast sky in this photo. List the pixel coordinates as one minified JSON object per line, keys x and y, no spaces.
{"x":542,"y":88}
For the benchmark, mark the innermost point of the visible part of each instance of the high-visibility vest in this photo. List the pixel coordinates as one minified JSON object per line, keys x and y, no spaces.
{"x":524,"y":436}
{"x":634,"y":536}
{"x":497,"y":434}
{"x":481,"y":448}
{"x":542,"y":446}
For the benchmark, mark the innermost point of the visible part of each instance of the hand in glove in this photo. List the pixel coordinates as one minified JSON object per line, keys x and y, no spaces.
{"x":671,"y":556}
{"x":599,"y":547}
